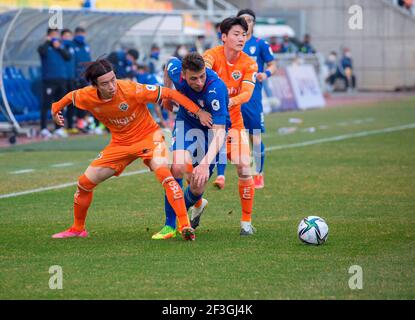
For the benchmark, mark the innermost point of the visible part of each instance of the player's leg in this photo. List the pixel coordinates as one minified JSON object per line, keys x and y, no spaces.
{"x":221,"y":167}
{"x":83,"y":199}
{"x":181,"y":160}
{"x":239,"y":154}
{"x":174,"y":193}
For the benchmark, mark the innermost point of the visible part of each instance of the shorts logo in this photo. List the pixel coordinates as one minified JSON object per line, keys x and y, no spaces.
{"x":252,"y":50}
{"x":236,"y":75}
{"x":123,"y":106}
{"x":151,"y":87}
{"x":215,"y":105}
{"x":100,"y":155}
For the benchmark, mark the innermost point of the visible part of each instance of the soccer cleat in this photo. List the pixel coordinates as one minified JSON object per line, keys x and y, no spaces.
{"x":247,"y":229}
{"x":166,"y":233}
{"x":71,"y":233}
{"x":188,"y":234}
{"x":219,"y":182}
{"x":196,"y":213}
{"x":259,"y":181}
{"x":45,"y":134}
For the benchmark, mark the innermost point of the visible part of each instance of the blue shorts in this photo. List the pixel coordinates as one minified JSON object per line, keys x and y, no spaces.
{"x":253,"y":116}
{"x":194,"y":140}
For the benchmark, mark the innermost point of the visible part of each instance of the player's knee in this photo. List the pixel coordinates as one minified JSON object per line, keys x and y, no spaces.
{"x":86,"y":184}
{"x":178,"y":170}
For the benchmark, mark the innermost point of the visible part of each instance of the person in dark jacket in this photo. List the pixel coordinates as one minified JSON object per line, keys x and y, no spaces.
{"x":124,"y":63}
{"x":67,"y":40}
{"x":53,"y":56}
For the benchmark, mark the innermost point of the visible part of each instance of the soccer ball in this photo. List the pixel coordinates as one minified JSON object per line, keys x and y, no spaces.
{"x":313,"y":230}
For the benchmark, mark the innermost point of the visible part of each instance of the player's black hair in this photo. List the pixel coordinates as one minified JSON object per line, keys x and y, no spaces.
{"x":246,"y":11}
{"x":193,"y":61}
{"x":80,"y":30}
{"x":96,"y":69}
{"x":228,"y":23}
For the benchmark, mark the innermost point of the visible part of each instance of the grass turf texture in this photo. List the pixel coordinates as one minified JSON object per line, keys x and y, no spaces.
{"x":364,"y":188}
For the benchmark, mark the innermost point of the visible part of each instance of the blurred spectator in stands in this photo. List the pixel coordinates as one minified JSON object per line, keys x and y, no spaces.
{"x":181,"y":51}
{"x":218,"y":37}
{"x":406,"y":4}
{"x":154,"y":61}
{"x":67,"y":37}
{"x":306,"y":47}
{"x":346,"y":70}
{"x":332,"y":70}
{"x":124,"y":63}
{"x":53,"y":56}
{"x":200,"y":45}
{"x":82,"y":57}
{"x":88,"y":4}
{"x":274,"y":45}
{"x":287,"y":46}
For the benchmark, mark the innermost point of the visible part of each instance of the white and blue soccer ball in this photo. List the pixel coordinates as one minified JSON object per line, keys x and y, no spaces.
{"x":313,"y":230}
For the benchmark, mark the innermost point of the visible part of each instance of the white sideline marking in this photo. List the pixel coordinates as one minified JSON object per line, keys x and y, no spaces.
{"x":22,"y":171}
{"x":61,"y":165}
{"x":284,"y":146}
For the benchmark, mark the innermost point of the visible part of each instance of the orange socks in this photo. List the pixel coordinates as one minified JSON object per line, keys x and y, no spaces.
{"x":174,"y":195}
{"x":82,"y":200}
{"x":246,"y":193}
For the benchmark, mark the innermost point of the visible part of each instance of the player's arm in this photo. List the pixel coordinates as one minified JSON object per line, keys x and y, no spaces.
{"x":247,"y":87}
{"x":271,"y":66}
{"x":201,"y":173}
{"x":58,"y":106}
{"x":209,"y":60}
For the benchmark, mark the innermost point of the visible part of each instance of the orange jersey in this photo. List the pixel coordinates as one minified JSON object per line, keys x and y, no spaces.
{"x":126,"y":114}
{"x":239,"y":78}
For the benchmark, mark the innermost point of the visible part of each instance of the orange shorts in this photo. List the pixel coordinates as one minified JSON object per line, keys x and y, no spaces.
{"x":118,"y":157}
{"x":237,"y":146}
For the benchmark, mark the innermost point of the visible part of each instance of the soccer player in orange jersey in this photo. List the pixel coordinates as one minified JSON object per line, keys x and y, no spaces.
{"x":238,"y":71}
{"x":121,"y":106}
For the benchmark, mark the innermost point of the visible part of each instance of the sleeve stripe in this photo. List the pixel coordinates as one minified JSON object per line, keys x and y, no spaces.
{"x":253,"y":83}
{"x":158,"y":95}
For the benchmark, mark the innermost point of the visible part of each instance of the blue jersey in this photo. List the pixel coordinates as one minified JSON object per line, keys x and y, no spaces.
{"x":213,"y":98}
{"x":260,"y":51}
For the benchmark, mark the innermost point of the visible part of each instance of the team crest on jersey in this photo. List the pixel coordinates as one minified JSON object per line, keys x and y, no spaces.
{"x":215,"y":105}
{"x":236,"y":75}
{"x":252,"y":49}
{"x":254,"y":77}
{"x":201,"y":103}
{"x":123,"y":106}
{"x":150,"y":87}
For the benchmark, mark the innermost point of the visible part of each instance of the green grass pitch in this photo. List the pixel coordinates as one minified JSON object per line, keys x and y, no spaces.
{"x":364,"y":186}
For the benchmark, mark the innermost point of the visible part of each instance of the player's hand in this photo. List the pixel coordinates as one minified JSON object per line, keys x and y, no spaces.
{"x":58,"y":118}
{"x":261,"y":76}
{"x":200,"y":175}
{"x":205,"y":118}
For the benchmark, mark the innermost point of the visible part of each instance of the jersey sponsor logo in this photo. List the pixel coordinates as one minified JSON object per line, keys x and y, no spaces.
{"x":252,"y":50}
{"x":138,"y":88}
{"x":215,"y":105}
{"x":236,"y":75}
{"x":232,"y":91}
{"x":123,"y":106}
{"x":150,"y":87}
{"x":120,"y":122}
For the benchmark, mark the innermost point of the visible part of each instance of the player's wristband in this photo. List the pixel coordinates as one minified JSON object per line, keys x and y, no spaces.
{"x":268,"y":73}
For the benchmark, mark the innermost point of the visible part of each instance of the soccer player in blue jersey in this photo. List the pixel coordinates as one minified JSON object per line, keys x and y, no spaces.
{"x":195,"y":147}
{"x":252,"y":111}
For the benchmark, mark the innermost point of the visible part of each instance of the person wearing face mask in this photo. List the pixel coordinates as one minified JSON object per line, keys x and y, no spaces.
{"x":53,"y":55}
{"x":82,"y":58}
{"x":346,"y":70}
{"x":154,"y":63}
{"x":124,"y":63}
{"x":66,"y":36}
{"x":332,"y":70}
{"x":181,"y":52}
